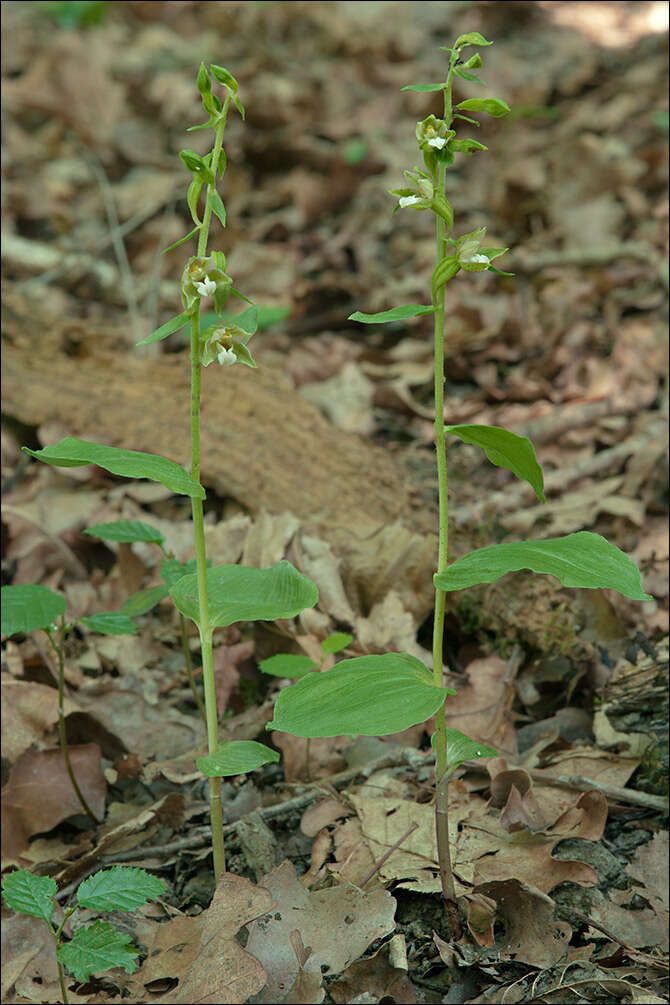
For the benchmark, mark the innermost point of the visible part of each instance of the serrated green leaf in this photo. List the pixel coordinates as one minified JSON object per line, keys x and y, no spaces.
{"x":97,"y":948}
{"x":110,"y":623}
{"x":73,"y":453}
{"x":492,"y":106}
{"x":238,"y":593}
{"x":505,"y":450}
{"x":122,"y":888}
{"x":394,"y":314}
{"x":170,"y":327}
{"x":369,"y":695}
{"x":27,"y":607}
{"x":236,"y":757}
{"x":335,"y":642}
{"x":215,"y":203}
{"x":23,"y":891}
{"x":182,"y":240}
{"x":126,"y":532}
{"x":143,"y":601}
{"x":291,"y":665}
{"x":583,"y":560}
{"x":424,"y":88}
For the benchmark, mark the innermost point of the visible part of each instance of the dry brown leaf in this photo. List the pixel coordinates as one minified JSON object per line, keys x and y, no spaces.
{"x":39,"y":794}
{"x":321,"y":815}
{"x":531,"y":934}
{"x":304,"y":759}
{"x":30,"y":712}
{"x":482,"y":708}
{"x":358,"y":917}
{"x":378,"y":976}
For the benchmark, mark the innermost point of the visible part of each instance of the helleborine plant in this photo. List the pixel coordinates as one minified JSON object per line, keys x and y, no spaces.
{"x":96,"y":947}
{"x":388,"y":693}
{"x":218,"y":596}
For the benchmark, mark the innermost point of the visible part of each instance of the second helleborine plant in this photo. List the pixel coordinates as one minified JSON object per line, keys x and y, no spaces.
{"x":385,"y":694}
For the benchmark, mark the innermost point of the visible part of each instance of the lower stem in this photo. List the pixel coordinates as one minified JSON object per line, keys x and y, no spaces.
{"x":61,"y":979}
{"x":62,"y":732}
{"x":211,"y":714}
{"x":189,"y":669}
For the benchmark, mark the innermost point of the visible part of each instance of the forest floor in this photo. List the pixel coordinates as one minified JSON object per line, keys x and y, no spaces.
{"x":324,"y":455}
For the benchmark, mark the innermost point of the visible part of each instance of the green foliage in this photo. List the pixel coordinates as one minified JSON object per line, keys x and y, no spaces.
{"x":394,"y":314}
{"x":71,"y":453}
{"x":143,"y":601}
{"x":582,"y":559}
{"x":126,"y":532}
{"x":239,"y":593}
{"x":74,"y":13}
{"x":335,"y":642}
{"x":110,"y":623}
{"x":97,"y":948}
{"x":25,"y":608}
{"x":122,"y":888}
{"x":236,"y":757}
{"x":174,"y":324}
{"x":368,"y":695}
{"x":505,"y":450}
{"x":29,"y":894}
{"x":292,"y":665}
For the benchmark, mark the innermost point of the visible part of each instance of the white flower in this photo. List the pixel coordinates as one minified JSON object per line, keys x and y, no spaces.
{"x":206,"y":288}
{"x":438,"y":142}
{"x":226,"y":357}
{"x":408,"y":200}
{"x":476,"y":259}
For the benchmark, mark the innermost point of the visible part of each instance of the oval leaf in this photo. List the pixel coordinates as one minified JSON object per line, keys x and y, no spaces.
{"x":239,"y":593}
{"x":369,"y":696}
{"x":110,"y":623}
{"x":425,"y":88}
{"x":22,"y":891}
{"x":123,"y":888}
{"x":287,"y":665}
{"x":333,"y":643}
{"x":172,"y":570}
{"x":126,"y":532}
{"x":72,"y":453}
{"x":395,"y":314}
{"x":470,"y":38}
{"x":25,"y":608}
{"x":505,"y":450}
{"x":583,"y":559}
{"x":174,"y":324}
{"x":493,"y":106}
{"x":236,"y":757}
{"x":143,"y":601}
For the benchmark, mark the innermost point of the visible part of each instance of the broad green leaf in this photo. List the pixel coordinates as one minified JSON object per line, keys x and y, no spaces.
{"x":123,"y":888}
{"x":236,"y":757}
{"x":333,"y":643}
{"x":238,"y":593}
{"x":23,"y":891}
{"x":505,"y":450}
{"x":394,"y":314}
{"x":25,"y":608}
{"x":143,"y":601}
{"x":126,"y":532}
{"x":287,"y":665}
{"x":187,"y":237}
{"x":110,"y":623}
{"x":172,"y":570}
{"x":368,"y":695}
{"x":215,"y":203}
{"x":72,"y":453}
{"x":424,"y":88}
{"x":97,"y":948}
{"x":470,"y":38}
{"x":461,"y":748}
{"x":583,"y":560}
{"x":493,"y":106}
{"x":173,"y":325}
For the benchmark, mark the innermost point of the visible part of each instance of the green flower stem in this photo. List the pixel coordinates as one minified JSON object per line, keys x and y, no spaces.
{"x":211,"y":714}
{"x":62,"y":732}
{"x":189,"y":668}
{"x":441,"y":779}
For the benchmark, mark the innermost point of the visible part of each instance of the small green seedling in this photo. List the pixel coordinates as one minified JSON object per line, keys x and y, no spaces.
{"x":28,"y":608}
{"x":294,"y":666}
{"x":388,"y":693}
{"x":218,"y":596}
{"x":96,"y":947}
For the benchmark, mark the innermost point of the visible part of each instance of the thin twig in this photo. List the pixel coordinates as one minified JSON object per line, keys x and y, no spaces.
{"x":377,"y":866}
